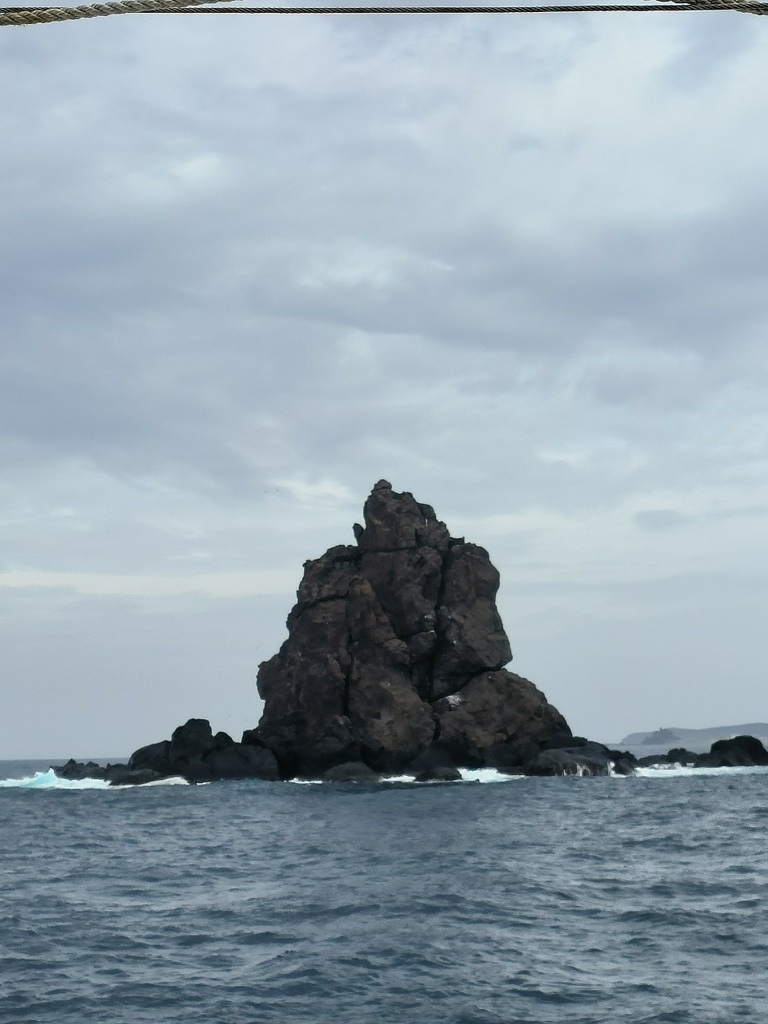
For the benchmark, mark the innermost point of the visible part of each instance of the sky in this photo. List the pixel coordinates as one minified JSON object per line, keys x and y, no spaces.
{"x":251,"y":265}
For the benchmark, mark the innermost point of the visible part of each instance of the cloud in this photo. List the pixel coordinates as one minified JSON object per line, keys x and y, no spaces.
{"x":659,"y":519}
{"x":250,"y":266}
{"x":225,"y":585}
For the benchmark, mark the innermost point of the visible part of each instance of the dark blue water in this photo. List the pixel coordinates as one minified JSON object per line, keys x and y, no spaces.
{"x":585,"y":901}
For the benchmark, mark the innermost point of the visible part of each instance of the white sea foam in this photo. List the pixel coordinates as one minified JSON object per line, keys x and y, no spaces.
{"x":467,"y":775}
{"x":50,"y":780}
{"x":487,"y":775}
{"x":676,"y":771}
{"x":483,"y":775}
{"x":174,"y":780}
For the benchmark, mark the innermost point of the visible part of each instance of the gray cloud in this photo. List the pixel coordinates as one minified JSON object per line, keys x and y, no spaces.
{"x":659,"y":519}
{"x":249,"y":266}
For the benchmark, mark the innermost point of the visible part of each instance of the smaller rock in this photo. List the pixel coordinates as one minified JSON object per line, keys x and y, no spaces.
{"x":350,"y":771}
{"x":574,"y":761}
{"x":193,"y":769}
{"x":191,"y":740}
{"x":76,"y":771}
{"x":122,"y":775}
{"x":737,"y":752}
{"x":439,"y":775}
{"x":222,"y":740}
{"x":437,"y":755}
{"x":511,"y":755}
{"x":679,"y":755}
{"x":622,"y":755}
{"x":195,"y":754}
{"x":155,"y":756}
{"x":241,"y":761}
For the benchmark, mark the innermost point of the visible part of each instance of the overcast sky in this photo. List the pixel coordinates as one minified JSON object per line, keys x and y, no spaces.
{"x":251,"y":265}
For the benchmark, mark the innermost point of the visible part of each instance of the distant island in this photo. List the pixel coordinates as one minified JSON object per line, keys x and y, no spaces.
{"x":694,"y":739}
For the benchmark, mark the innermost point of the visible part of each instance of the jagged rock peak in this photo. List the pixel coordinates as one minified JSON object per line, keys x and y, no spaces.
{"x":394,"y":644}
{"x":397,"y":522}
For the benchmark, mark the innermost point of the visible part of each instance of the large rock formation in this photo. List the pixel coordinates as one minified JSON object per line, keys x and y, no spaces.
{"x":394,"y":661}
{"x":395,"y":648}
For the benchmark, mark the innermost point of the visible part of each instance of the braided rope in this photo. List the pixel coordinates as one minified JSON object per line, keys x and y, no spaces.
{"x":746,"y":6}
{"x":750,"y":6}
{"x":40,"y":15}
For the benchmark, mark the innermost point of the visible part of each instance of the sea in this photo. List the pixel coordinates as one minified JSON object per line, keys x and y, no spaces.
{"x":497,"y":900}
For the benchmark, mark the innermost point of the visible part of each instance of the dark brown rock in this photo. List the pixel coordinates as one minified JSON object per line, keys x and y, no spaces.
{"x":350,"y":771}
{"x":439,"y":775}
{"x":195,"y":754}
{"x":495,"y":708}
{"x":736,"y":752}
{"x":76,"y":771}
{"x":393,"y":643}
{"x":121,"y":775}
{"x":568,"y":762}
{"x":387,"y":715}
{"x":435,"y":756}
{"x":114,"y":774}
{"x":192,"y":740}
{"x":242,"y":761}
{"x":679,"y":755}
{"x":304,"y":687}
{"x":511,"y":755}
{"x":472,"y":636}
{"x":580,"y":757}
{"x":154,"y":757}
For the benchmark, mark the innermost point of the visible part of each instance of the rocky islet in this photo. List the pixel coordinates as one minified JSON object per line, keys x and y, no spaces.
{"x":395,"y":645}
{"x":394,"y":663}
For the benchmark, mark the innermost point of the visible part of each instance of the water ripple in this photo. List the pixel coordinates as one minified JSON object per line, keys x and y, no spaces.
{"x":588,"y":901}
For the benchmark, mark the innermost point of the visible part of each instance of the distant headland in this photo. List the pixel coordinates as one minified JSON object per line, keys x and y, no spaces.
{"x":394,"y":664}
{"x":695,"y":739}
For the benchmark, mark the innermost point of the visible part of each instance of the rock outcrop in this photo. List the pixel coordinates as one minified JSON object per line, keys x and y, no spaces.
{"x":734,"y":752}
{"x":580,"y":756}
{"x":395,"y":662}
{"x":193,"y":753}
{"x":395,"y":645}
{"x":197,"y":755}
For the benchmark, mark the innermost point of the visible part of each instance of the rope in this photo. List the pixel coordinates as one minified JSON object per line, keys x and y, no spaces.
{"x":749,"y":6}
{"x":746,"y":6}
{"x":40,"y":15}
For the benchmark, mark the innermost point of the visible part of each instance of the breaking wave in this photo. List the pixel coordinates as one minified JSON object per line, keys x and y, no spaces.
{"x":671,"y":771}
{"x":487,"y":775}
{"x":467,"y":775}
{"x":50,"y":780}
{"x":483,"y":775}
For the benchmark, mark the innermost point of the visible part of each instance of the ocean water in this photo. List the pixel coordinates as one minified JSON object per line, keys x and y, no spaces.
{"x":533,"y":901}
